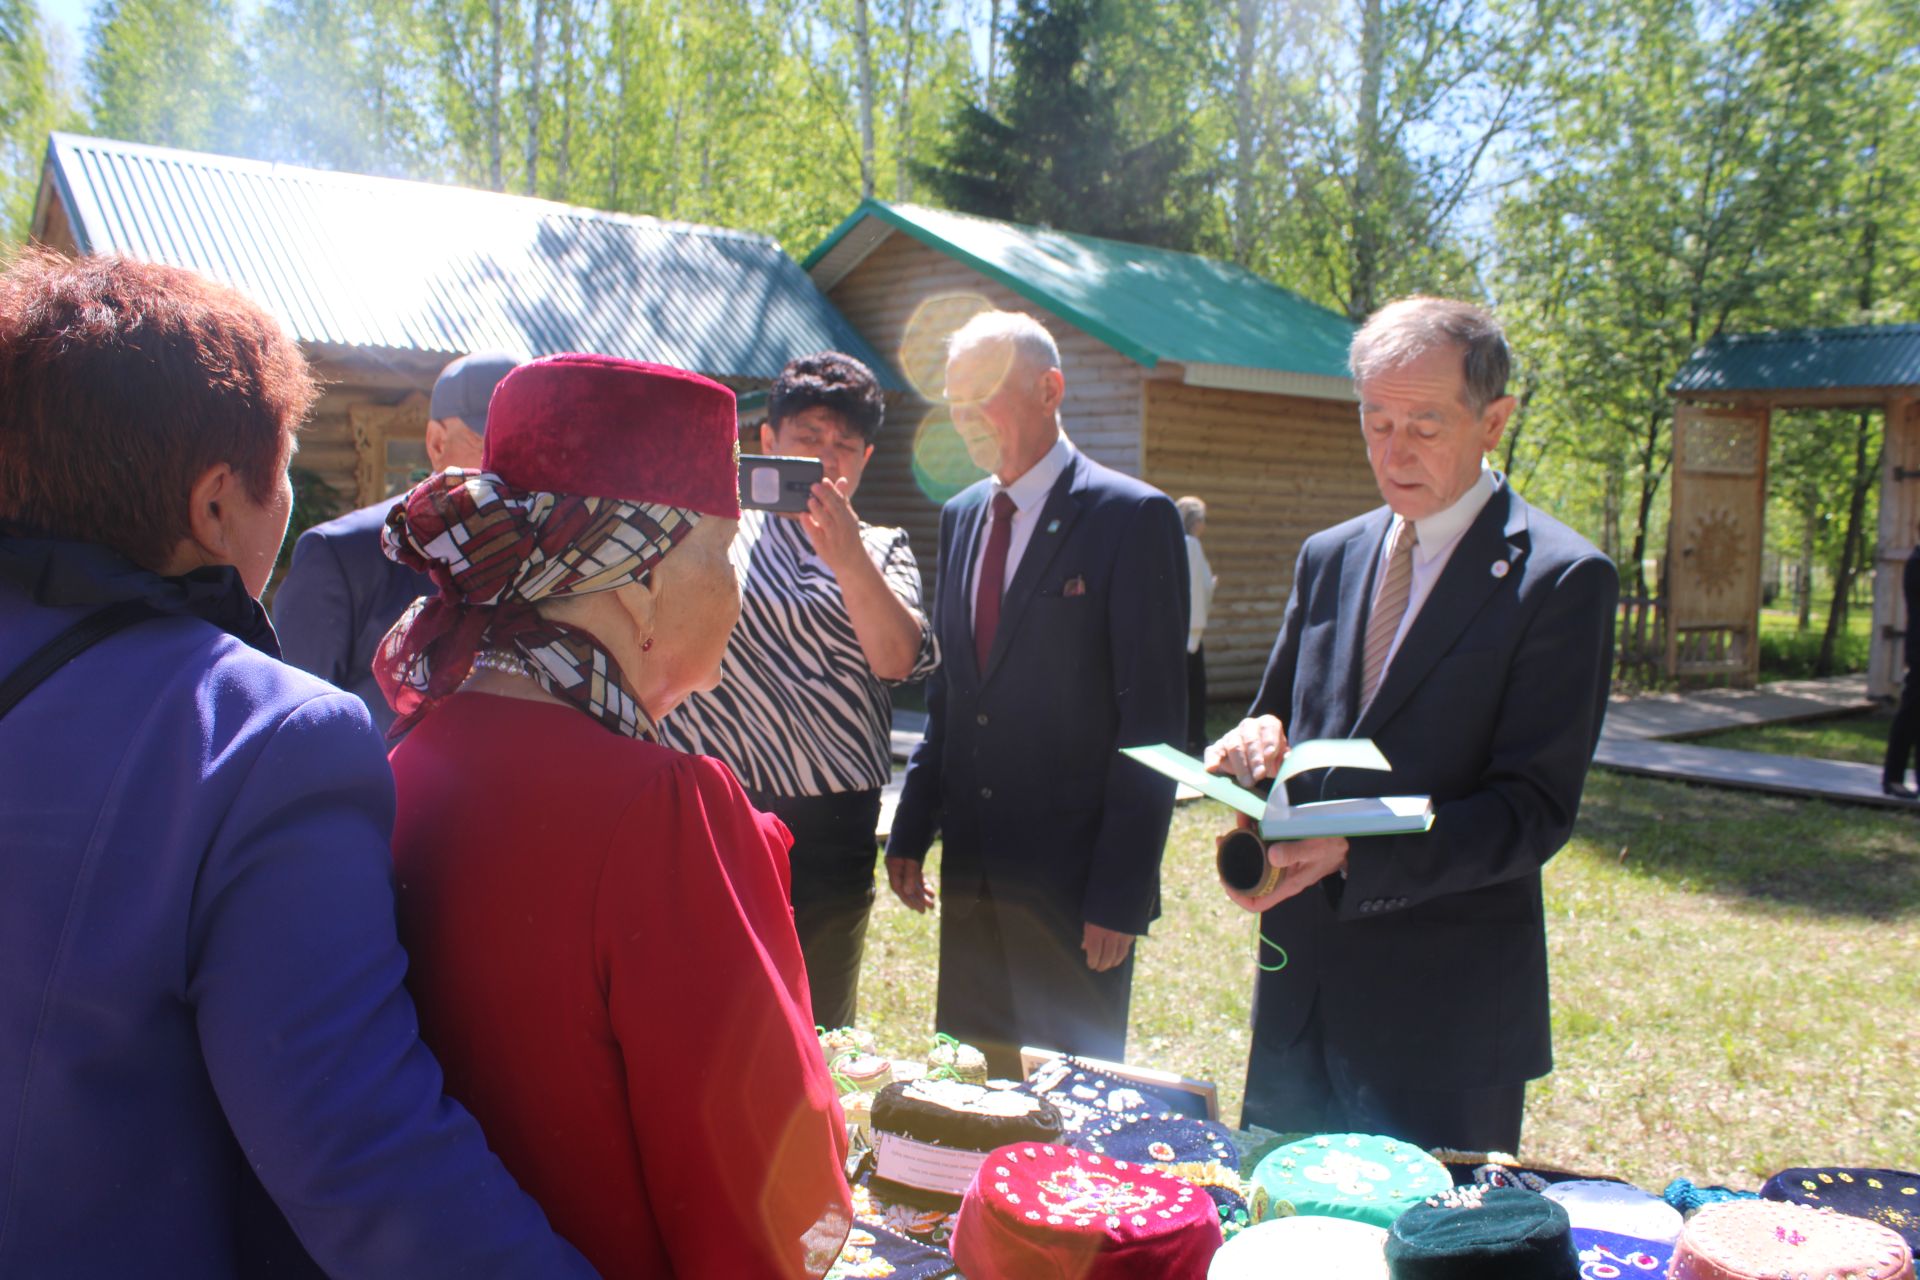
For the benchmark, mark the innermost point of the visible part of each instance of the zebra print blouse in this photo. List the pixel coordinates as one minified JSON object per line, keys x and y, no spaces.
{"x":798,"y":712}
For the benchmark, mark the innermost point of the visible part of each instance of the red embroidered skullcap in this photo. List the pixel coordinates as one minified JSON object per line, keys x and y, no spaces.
{"x":1043,"y":1211}
{"x":597,"y":427}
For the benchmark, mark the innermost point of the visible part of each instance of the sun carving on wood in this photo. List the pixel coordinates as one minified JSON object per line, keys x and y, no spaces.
{"x":1718,"y":546}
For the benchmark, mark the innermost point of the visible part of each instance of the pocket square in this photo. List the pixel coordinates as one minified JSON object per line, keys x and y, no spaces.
{"x":1074,"y":586}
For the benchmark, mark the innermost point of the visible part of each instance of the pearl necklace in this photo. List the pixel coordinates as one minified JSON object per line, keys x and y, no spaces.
{"x":502,"y":663}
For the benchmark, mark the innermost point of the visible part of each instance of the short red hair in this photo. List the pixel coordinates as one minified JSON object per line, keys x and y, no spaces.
{"x":121,"y":382}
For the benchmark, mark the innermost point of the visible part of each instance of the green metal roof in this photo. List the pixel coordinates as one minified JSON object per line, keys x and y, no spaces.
{"x":1789,"y":360}
{"x":1148,"y":304}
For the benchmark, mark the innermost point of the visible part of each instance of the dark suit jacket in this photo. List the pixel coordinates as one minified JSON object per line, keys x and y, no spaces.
{"x":1020,"y":767}
{"x":1429,"y":961}
{"x":339,"y":597}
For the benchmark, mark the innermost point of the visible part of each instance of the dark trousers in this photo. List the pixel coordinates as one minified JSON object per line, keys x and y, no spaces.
{"x":1904,"y":735}
{"x":1197,"y":700}
{"x":834,"y":847}
{"x":1308,"y":1086}
{"x":1012,"y":973}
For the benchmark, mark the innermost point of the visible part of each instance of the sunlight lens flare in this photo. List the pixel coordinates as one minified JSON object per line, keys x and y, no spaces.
{"x":923,"y":346}
{"x":942,"y":467}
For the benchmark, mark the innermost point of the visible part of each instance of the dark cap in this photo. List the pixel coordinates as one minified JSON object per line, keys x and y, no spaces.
{"x":465,"y":387}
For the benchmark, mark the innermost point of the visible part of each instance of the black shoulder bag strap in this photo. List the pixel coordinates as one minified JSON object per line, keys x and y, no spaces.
{"x":70,"y":644}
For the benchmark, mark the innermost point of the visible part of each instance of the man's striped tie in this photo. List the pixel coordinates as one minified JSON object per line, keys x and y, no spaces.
{"x":1389,"y":606}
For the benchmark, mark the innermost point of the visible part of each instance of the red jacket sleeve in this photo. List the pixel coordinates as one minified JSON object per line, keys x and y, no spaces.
{"x":740,"y":1138}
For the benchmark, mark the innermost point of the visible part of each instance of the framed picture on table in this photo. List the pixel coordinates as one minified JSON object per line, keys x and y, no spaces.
{"x":1185,"y":1095}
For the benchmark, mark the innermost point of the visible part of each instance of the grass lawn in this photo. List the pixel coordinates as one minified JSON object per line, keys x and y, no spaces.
{"x":1736,"y":984}
{"x":1861,"y":738}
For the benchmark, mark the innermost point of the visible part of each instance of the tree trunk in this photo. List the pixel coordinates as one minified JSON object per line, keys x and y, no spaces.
{"x":1649,"y":486}
{"x":563,"y":158}
{"x":1865,"y":468}
{"x":496,"y":18}
{"x":1247,"y":18}
{"x":993,"y":49}
{"x":535,"y":88}
{"x":863,"y":52}
{"x":616,"y":150}
{"x":1363,"y":254}
{"x":1803,"y":587}
{"x":903,"y":156}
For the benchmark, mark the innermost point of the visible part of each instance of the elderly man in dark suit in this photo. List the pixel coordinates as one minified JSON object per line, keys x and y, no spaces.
{"x":1403,"y":984}
{"x":341,"y":593}
{"x":1062,"y":618}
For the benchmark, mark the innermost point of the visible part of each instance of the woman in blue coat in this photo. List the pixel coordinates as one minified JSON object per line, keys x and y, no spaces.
{"x":204,"y":1039}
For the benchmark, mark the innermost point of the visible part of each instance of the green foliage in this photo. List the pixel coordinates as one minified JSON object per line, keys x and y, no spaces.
{"x":1623,"y":181}
{"x":1788,"y":653}
{"x":346,"y":81}
{"x":1672,"y":195}
{"x":33,"y":102}
{"x":1061,"y":153}
{"x":169,"y":72}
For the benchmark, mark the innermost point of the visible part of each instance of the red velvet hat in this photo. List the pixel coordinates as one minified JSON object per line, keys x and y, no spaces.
{"x":597,"y":427}
{"x":1048,"y":1212}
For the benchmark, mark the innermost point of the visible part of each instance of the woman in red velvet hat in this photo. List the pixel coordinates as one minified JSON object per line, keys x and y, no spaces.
{"x":603,"y":954}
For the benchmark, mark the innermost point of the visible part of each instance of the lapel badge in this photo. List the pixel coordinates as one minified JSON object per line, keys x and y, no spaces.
{"x":1053,"y":526}
{"x":1074,"y":586}
{"x":1500,"y":568}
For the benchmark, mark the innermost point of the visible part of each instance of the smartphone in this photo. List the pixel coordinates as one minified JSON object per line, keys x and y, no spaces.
{"x":770,"y":483}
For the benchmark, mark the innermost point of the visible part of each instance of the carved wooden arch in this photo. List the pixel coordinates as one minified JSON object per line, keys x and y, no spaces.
{"x":389,"y":446}
{"x":1714,"y":537}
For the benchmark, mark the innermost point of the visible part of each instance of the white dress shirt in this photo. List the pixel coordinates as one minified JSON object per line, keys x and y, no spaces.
{"x":1434,"y":539}
{"x":1201,"y":582}
{"x":1029,"y":494}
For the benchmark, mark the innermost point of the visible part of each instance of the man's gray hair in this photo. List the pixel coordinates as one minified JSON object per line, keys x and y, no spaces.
{"x":1405,"y":330}
{"x":1192,"y":511}
{"x":1029,"y":338}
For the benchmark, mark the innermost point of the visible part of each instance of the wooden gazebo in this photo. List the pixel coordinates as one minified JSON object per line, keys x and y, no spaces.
{"x":1726,"y":396}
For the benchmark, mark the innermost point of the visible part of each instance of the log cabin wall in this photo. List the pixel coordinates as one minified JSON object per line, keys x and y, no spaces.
{"x":1272,"y":470}
{"x":1899,"y":518}
{"x":1101,"y":412}
{"x":352,"y":381}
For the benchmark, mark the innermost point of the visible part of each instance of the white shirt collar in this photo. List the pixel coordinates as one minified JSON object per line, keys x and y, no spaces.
{"x":1031,"y":489}
{"x":1437,"y":533}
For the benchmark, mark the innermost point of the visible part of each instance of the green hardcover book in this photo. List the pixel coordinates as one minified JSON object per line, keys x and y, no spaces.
{"x":1280,"y":820}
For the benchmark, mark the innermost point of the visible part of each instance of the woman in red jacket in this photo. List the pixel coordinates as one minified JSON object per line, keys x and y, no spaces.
{"x":603,"y":954}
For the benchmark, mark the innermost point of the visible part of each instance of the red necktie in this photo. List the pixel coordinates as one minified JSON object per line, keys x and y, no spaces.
{"x":993,"y":578}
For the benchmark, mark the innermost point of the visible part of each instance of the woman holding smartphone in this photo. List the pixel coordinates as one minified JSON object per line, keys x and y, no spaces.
{"x":830,"y":618}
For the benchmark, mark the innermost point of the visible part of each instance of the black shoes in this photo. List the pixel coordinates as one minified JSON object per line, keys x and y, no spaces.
{"x":1900,"y":791}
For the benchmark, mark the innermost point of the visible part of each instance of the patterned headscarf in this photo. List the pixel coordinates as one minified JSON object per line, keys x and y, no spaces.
{"x":493,"y":551}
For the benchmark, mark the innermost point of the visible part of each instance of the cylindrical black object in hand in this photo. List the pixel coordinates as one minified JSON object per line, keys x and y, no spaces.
{"x":1242,"y":863}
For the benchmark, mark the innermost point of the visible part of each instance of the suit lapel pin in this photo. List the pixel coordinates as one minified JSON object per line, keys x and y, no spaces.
{"x":1499,"y":569}
{"x":1074,"y":586}
{"x":1053,"y":526}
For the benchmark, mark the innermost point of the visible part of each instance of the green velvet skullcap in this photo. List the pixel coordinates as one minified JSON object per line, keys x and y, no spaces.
{"x":1476,"y":1233}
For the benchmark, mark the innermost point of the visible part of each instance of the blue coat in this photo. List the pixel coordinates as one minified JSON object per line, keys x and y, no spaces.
{"x":1020,"y":770}
{"x":200,"y":983}
{"x":1429,"y":961}
{"x":340,"y":596}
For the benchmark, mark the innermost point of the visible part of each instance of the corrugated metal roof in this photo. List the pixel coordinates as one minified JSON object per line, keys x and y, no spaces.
{"x":1804,"y":360}
{"x":358,"y":261}
{"x":1148,"y":304}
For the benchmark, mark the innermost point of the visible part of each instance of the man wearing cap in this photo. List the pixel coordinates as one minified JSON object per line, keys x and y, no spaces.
{"x":341,"y":594}
{"x":1403,"y":983}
